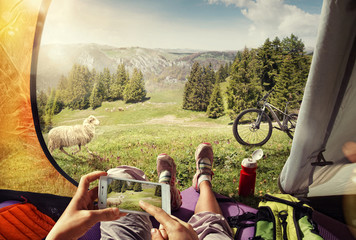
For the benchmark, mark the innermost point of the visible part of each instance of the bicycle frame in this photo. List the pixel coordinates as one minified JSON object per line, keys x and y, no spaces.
{"x":270,"y":107}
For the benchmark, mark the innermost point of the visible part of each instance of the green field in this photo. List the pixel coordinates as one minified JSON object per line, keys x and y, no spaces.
{"x":138,"y":134}
{"x":131,"y":199}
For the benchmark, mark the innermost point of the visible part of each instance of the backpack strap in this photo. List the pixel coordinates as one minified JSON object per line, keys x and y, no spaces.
{"x":240,"y":222}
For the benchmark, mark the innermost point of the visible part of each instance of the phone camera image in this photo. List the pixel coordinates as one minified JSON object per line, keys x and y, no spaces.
{"x":127,"y":194}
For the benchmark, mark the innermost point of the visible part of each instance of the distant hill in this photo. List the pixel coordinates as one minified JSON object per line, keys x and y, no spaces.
{"x":159,"y":65}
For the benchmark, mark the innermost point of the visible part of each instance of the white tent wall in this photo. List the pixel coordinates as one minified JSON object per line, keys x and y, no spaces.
{"x":332,"y":69}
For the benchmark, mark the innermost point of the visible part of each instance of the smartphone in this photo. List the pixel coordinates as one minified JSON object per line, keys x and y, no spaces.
{"x":125,"y":194}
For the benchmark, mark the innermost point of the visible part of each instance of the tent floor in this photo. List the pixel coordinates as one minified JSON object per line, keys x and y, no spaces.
{"x":329,"y":227}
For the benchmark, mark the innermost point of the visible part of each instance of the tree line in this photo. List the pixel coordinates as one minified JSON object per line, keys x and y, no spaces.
{"x":82,"y":89}
{"x":281,"y":65}
{"x":121,"y":186}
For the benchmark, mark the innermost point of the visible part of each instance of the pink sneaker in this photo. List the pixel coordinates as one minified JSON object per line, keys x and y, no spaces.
{"x":204,"y":162}
{"x":166,"y":169}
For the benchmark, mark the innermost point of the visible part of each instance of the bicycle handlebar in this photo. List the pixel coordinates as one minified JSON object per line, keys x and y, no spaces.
{"x":267,"y":95}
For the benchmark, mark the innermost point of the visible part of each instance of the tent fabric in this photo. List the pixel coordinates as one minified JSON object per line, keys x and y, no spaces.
{"x":324,"y":125}
{"x":330,"y":229}
{"x":20,"y":149}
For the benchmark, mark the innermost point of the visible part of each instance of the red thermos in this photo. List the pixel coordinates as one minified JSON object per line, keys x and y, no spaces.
{"x":248,"y":174}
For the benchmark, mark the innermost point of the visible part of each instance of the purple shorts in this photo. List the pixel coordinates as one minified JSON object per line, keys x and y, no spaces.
{"x":210,"y":226}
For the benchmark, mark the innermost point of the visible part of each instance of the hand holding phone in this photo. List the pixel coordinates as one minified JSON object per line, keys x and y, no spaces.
{"x":125,"y":194}
{"x":171,"y":227}
{"x":80,"y":215}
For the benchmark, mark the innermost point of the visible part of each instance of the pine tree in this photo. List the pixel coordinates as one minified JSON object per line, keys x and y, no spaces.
{"x":135,"y":89}
{"x":222,"y":73}
{"x":198,"y":88}
{"x":120,"y":82}
{"x":49,"y":111}
{"x":63,"y":91}
{"x":41,"y":108}
{"x":158,"y":191}
{"x":130,"y":186}
{"x":285,"y":88}
{"x":116,"y":185}
{"x":105,"y":84}
{"x":207,"y":85}
{"x":277,"y":59}
{"x":137,"y":187}
{"x":216,"y":105}
{"x":78,"y":88}
{"x":244,"y":86}
{"x":57,"y":105}
{"x":293,"y":73}
{"x":95,"y":98}
{"x":265,"y":56}
{"x":124,"y":187}
{"x":292,"y":46}
{"x":190,"y":87}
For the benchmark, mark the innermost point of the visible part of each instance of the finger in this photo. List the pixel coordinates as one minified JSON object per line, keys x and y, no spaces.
{"x":164,"y":233}
{"x":87,"y":179}
{"x":349,"y":150}
{"x":108,"y":214}
{"x":156,"y":234}
{"x":161,"y":216}
{"x":93,"y":193}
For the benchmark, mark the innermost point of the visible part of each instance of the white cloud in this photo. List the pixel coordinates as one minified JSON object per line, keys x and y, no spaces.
{"x":71,"y":21}
{"x":271,"y":18}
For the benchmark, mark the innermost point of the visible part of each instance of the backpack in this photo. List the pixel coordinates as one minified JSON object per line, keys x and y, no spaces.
{"x":279,"y":216}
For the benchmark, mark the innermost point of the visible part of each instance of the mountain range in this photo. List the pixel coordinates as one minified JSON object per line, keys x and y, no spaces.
{"x":157,"y":65}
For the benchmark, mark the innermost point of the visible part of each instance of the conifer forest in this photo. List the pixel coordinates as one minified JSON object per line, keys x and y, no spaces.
{"x":279,"y":64}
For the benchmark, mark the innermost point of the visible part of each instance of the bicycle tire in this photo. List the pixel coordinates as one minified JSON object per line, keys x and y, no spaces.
{"x":244,"y":131}
{"x":291,"y":123}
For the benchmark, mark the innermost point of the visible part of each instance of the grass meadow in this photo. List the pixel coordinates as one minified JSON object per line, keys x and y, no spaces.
{"x":130,"y":199}
{"x":138,"y":134}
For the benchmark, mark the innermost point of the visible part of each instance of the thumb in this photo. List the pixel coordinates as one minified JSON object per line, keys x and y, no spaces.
{"x":107,"y":214}
{"x":156,"y":234}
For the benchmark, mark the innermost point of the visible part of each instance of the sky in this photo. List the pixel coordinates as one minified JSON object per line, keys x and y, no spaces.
{"x":181,"y":24}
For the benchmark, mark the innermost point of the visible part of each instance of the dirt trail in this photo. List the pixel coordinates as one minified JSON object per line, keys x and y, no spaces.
{"x":189,"y":122}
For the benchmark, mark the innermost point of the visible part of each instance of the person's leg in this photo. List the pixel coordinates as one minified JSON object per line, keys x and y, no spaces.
{"x":132,"y":226}
{"x":166,"y":169}
{"x":207,"y":201}
{"x":207,"y":221}
{"x":202,"y":180}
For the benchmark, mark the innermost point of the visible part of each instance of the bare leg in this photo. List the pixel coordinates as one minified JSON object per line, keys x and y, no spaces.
{"x":207,"y":201}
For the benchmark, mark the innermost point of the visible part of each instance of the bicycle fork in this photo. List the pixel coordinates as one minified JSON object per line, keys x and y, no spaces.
{"x":259,"y":118}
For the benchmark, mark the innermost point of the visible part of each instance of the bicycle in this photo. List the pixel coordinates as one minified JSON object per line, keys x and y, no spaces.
{"x":253,"y":127}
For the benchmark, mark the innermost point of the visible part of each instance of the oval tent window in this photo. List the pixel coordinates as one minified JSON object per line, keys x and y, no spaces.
{"x":119,"y":82}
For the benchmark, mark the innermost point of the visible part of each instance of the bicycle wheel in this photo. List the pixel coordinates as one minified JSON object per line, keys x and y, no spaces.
{"x":291,"y":123}
{"x":247,"y":132}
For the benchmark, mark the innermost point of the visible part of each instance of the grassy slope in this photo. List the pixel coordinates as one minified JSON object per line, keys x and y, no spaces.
{"x":137,"y":135}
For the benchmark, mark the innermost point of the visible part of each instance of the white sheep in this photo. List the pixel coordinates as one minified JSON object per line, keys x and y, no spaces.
{"x":113,"y":202}
{"x":66,"y":136}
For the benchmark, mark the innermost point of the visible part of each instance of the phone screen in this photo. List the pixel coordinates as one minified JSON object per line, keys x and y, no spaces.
{"x":126,"y":194}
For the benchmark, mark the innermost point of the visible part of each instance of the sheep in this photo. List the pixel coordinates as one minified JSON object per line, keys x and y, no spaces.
{"x":113,"y":202}
{"x":120,"y":109}
{"x":66,"y":136}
